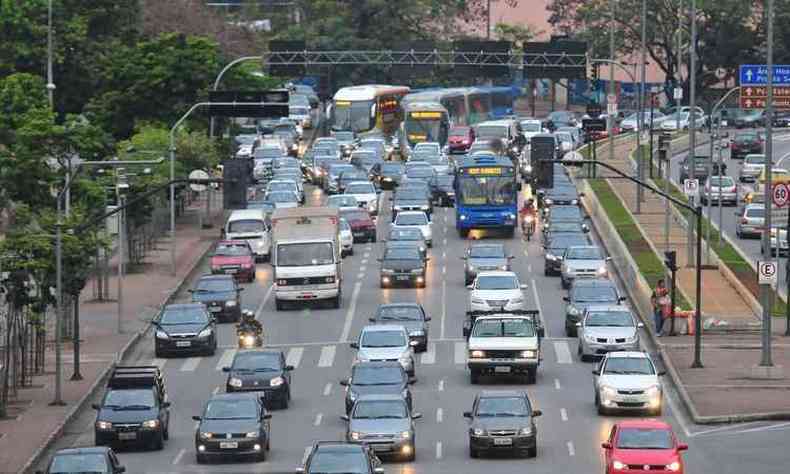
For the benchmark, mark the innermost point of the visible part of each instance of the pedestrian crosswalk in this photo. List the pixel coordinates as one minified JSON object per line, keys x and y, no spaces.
{"x":329,"y":355}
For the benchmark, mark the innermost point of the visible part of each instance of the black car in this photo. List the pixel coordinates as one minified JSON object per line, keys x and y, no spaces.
{"x":746,"y":143}
{"x":377,"y":378}
{"x":95,"y":460}
{"x":184,"y":329}
{"x":408,"y":237}
{"x":781,"y":119}
{"x":585,"y":293}
{"x":442,"y":190}
{"x":262,"y":371}
{"x":233,"y":424}
{"x":134,"y":409}
{"x":349,"y":177}
{"x":403,"y":265}
{"x":555,"y":248}
{"x":221,"y":295}
{"x":551,"y":230}
{"x":340,"y":456}
{"x":387,"y":175}
{"x":562,"y":196}
{"x":411,"y":200}
{"x":503,"y":421}
{"x":411,"y":316}
{"x":560,"y":213}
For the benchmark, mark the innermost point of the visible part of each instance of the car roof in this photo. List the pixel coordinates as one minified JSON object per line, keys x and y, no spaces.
{"x":628,"y":355}
{"x":235,"y":396}
{"x":378,"y":364}
{"x":497,"y":273}
{"x":401,"y":305}
{"x":383,"y":327}
{"x":215,"y":277}
{"x":644,"y":423}
{"x":501,"y":393}
{"x":381,"y":397}
{"x":84,"y":450}
{"x":592,"y":282}
{"x":492,"y":244}
{"x":338,"y":446}
{"x":258,"y":351}
{"x":609,"y":307}
{"x":176,"y":306}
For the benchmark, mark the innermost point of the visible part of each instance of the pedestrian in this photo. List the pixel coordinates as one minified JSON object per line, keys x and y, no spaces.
{"x":661,"y":305}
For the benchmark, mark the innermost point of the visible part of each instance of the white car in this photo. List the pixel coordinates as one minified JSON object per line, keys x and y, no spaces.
{"x":628,"y":381}
{"x":382,"y":342}
{"x":365,"y":194}
{"x":496,"y":291}
{"x":415,"y":219}
{"x":427,"y":147}
{"x":284,"y":185}
{"x":342,"y":202}
{"x":531,"y":127}
{"x":346,"y":238}
{"x":670,"y":122}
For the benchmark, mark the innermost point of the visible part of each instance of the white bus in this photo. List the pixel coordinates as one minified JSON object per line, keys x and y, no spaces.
{"x":368,"y":108}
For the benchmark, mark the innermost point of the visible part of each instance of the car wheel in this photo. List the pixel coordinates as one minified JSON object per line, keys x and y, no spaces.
{"x":601,"y":410}
{"x":158,"y":354}
{"x":278,"y":304}
{"x":532,"y":376}
{"x":283,"y":405}
{"x":200,"y":459}
{"x":546,"y":271}
{"x":533,"y":452}
{"x":261,"y":456}
{"x":351,"y":251}
{"x":336,"y":302}
{"x":474,"y":377}
{"x":570,"y":331}
{"x":473,"y":452}
{"x":166,"y":434}
{"x":159,"y":442}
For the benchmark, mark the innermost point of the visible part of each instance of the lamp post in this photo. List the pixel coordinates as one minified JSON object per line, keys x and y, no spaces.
{"x":50,"y":79}
{"x":767,"y":300}
{"x":611,"y":78}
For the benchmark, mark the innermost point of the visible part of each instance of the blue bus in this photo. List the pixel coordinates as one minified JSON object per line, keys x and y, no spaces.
{"x":502,"y":98}
{"x":486,"y":194}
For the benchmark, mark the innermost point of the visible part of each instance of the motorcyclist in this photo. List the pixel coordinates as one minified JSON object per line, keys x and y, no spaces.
{"x":528,"y":210}
{"x":248,"y":323}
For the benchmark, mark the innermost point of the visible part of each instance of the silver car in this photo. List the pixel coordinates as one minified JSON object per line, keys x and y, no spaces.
{"x":628,"y":381}
{"x":750,"y":221}
{"x":386,"y":342}
{"x":484,"y":258}
{"x":752,"y":167}
{"x":720,"y":187}
{"x":605,"y":329}
{"x":583,"y":261}
{"x":385,"y":423}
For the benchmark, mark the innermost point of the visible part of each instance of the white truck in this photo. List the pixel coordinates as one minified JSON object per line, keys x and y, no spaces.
{"x":503,"y":343}
{"x":306,"y":255}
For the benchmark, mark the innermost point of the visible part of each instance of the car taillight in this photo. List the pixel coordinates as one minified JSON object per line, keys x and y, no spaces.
{"x":744,"y":220}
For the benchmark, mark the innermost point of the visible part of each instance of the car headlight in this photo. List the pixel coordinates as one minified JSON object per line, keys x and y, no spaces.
{"x":251,"y":434}
{"x":205,"y":435}
{"x":602,"y":271}
{"x":387,"y":271}
{"x":529,"y":354}
{"x":276,"y":382}
{"x":463,"y":217}
{"x":608,"y":391}
{"x":476,"y":354}
{"x":478,"y":301}
{"x":355,"y":435}
{"x":526,"y":431}
{"x":329,"y":279}
{"x":517,"y":300}
{"x":479,"y":431}
{"x":230,"y":303}
{"x":550,"y":257}
{"x":235,"y":382}
{"x":259,"y":243}
{"x":424,"y":208}
{"x":205,"y":333}
{"x":161,"y":334}
{"x":618,"y":465}
{"x":417,"y":271}
{"x":573,"y":310}
{"x":103,"y":425}
{"x":512,"y":217}
{"x":151,"y":424}
{"x":653,"y":391}
{"x":405,"y":435}
{"x":673,"y":467}
{"x":548,"y":201}
{"x":574,"y":202}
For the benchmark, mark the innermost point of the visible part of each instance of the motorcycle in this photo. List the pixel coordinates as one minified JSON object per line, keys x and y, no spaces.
{"x":528,"y":226}
{"x":249,"y":339}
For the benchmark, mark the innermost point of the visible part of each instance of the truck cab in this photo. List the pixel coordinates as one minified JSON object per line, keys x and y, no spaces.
{"x":503,"y":344}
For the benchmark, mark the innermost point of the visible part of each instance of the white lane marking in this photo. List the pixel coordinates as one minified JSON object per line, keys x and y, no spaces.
{"x":444,"y":254}
{"x":557,"y":384}
{"x":460,"y":353}
{"x":361,"y":275}
{"x":444,"y":307}
{"x":438,"y":450}
{"x":540,"y":309}
{"x":318,"y":419}
{"x":761,"y":428}
{"x":786,"y":155}
{"x":441,"y":385}
{"x":259,"y":309}
{"x":294,"y":356}
{"x":563,"y":352}
{"x":439,"y":415}
{"x":444,"y":270}
{"x":215,"y":391}
{"x":226,"y":359}
{"x":364,"y":261}
{"x":571,"y":449}
{"x":529,"y":268}
{"x":445,"y":241}
{"x":429,"y":356}
{"x":352,"y":308}
{"x":180,"y":455}
{"x":191,"y":364}
{"x":327,"y":356}
{"x":160,"y":363}
{"x":306,"y":454}
{"x":327,"y":389}
{"x":526,"y":252}
{"x":366,"y":254}
{"x":564,"y":414}
{"x":723,"y":428}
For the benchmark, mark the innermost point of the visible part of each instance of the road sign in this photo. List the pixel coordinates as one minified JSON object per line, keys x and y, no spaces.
{"x":760,"y":103}
{"x":757,"y":74}
{"x":780,"y":194}
{"x":678,"y":93}
{"x":761,"y":92}
{"x":198,"y":174}
{"x":611,"y":109}
{"x":766,"y":273}
{"x":691,"y":187}
{"x":721,"y":73}
{"x":779,"y":216}
{"x":594,"y":125}
{"x":611,"y":98}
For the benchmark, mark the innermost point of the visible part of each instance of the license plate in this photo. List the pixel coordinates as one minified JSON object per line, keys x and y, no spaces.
{"x":359,"y":234}
{"x":183,"y":343}
{"x":228,"y":445}
{"x":402,"y":277}
{"x":381,"y":447}
{"x":502,"y":369}
{"x":215,"y":309}
{"x":231,"y":270}
{"x":127,"y":436}
{"x":503,"y":441}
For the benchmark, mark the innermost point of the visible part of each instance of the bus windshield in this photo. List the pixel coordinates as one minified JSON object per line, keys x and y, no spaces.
{"x":425,"y":130}
{"x":354,"y":116}
{"x":486,"y":191}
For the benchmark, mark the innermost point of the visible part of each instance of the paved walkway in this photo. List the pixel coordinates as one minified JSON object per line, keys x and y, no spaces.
{"x":34,"y":421}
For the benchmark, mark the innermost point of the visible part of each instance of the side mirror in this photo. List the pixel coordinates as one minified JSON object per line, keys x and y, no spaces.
{"x":240,"y":289}
{"x":344,"y":417}
{"x":166,"y":404}
{"x":606,"y":445}
{"x":470,"y":287}
{"x":465,"y":331}
{"x":682,"y":447}
{"x":640,"y":325}
{"x":372,"y":320}
{"x":596,"y":372}
{"x":196,"y":417}
{"x":566,"y":299}
{"x":414,"y":343}
{"x":416,"y":416}
{"x":462,"y":258}
{"x":379,"y":259}
{"x":354,"y":345}
{"x":467,"y":414}
{"x":288,"y":368}
{"x":95,"y":406}
{"x":608,"y":259}
{"x":427,"y":259}
{"x":578,"y":325}
{"x":541,"y":332}
{"x":661,"y":372}
{"x":343,"y":383}
{"x":536,"y":413}
{"x":622,"y":299}
{"x":267,"y":416}
{"x":427,"y":318}
{"x":226,"y":369}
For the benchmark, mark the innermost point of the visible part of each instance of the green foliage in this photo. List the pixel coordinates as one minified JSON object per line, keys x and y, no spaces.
{"x":517,"y":34}
{"x":20,"y":93}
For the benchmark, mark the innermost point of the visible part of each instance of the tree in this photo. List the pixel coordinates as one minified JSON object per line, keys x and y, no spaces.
{"x":517,"y":34}
{"x":20,"y":93}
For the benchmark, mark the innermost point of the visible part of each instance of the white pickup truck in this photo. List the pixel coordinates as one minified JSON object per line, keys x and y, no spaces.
{"x":503,"y":343}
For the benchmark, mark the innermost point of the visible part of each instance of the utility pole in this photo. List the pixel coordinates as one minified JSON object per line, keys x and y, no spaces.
{"x":641,"y":120}
{"x":693,"y":104}
{"x":765,"y":290}
{"x":488,"y":20}
{"x":50,"y":79}
{"x":611,"y":78}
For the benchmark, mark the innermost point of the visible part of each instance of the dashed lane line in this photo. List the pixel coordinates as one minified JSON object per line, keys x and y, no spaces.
{"x":327,"y":357}
{"x":537,"y":305}
{"x":327,"y":389}
{"x":191,"y":364}
{"x":562,"y":352}
{"x":352,"y":308}
{"x":259,"y":309}
{"x":557,"y":384}
{"x":564,"y":414}
{"x":318,"y":419}
{"x":441,"y":385}
{"x":429,"y":356}
{"x":294,"y":356}
{"x":571,"y":449}
{"x":438,"y":450}
{"x":444,"y":308}
{"x":439,"y":415}
{"x":226,"y":359}
{"x":179,"y":456}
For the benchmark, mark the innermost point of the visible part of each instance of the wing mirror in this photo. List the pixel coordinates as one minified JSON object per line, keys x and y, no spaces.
{"x":606,"y":445}
{"x":266,"y":416}
{"x":596,"y":372}
{"x":196,"y":417}
{"x":467,"y":414}
{"x":661,"y":372}
{"x":682,"y":447}
{"x":566,"y":299}
{"x":465,"y":332}
{"x":414,"y":343}
{"x":166,"y":404}
{"x":95,"y":406}
{"x":378,"y":470}
{"x":288,"y":368}
{"x":427,"y":318}
{"x":344,"y":383}
{"x":541,"y":332}
{"x":416,"y":416}
{"x":354,"y":345}
{"x":640,"y":325}
{"x":470,"y":287}
{"x":536,"y":413}
{"x":344,"y":417}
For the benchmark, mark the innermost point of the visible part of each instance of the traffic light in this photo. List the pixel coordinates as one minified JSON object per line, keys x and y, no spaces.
{"x":595,"y":73}
{"x":236,"y":174}
{"x":670,"y":260}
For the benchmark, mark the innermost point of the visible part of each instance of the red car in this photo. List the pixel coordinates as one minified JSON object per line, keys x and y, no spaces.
{"x":460,"y":139}
{"x":363,"y":227}
{"x":643,"y":445}
{"x":234,"y":257}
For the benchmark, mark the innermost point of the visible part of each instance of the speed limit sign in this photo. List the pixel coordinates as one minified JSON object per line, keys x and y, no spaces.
{"x":780,"y":194}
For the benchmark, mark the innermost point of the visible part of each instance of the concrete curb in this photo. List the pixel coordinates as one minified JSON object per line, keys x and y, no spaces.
{"x":43,"y":449}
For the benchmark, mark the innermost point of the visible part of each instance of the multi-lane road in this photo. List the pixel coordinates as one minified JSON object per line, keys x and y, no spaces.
{"x":316,"y":342}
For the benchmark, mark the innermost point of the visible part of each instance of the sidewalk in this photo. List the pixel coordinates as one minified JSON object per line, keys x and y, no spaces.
{"x":34,"y":422}
{"x":723,"y":391}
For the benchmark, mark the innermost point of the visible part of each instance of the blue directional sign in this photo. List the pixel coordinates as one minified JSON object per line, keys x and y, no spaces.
{"x":757,"y":74}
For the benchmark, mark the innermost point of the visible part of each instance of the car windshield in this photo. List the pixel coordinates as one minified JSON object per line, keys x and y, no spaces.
{"x":628,"y":366}
{"x":488,"y":132}
{"x":129,"y":398}
{"x":400,"y":313}
{"x":281,"y":186}
{"x":336,"y":170}
{"x":746,"y":137}
{"x":347,"y":176}
{"x":497,"y":282}
{"x":344,"y":136}
{"x":215,"y":285}
{"x":172,"y":317}
{"x":503,"y":328}
{"x":379,"y":409}
{"x":392,"y":168}
{"x":419,"y":172}
{"x":531,"y":127}
{"x":345,"y":462}
{"x":245,"y":226}
{"x":257,"y":361}
{"x":362,"y":375}
{"x":459,"y":132}
{"x":405,"y":234}
{"x":232,"y":250}
{"x":231,"y":409}
{"x":411,"y":219}
{"x":584,"y":253}
{"x":502,"y":406}
{"x":609,"y":319}
{"x":444,"y":181}
{"x":561,"y":243}
{"x":723,"y":181}
{"x":356,"y":215}
{"x":487,"y":251}
{"x":644,"y":438}
{"x":487,"y":190}
{"x":409,"y":194}
{"x":307,"y":254}
{"x":402,"y":253}
{"x":590,"y":294}
{"x":566,"y":227}
{"x":282,"y":196}
{"x":360,"y":188}
{"x":383,"y":339}
{"x":78,"y":463}
{"x":342,"y":201}
{"x":755,"y":160}
{"x":565,"y":212}
{"x":755,"y":212}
